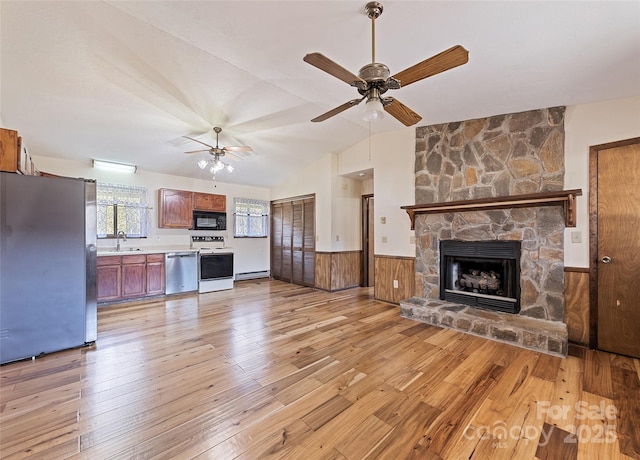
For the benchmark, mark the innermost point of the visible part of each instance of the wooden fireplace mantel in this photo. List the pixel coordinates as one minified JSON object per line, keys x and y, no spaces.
{"x":564,"y":198}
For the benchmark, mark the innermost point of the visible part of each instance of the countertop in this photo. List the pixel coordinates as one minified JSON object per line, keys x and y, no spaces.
{"x":129,"y":251}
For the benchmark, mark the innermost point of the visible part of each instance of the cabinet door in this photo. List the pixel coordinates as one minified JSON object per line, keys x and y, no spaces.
{"x":9,"y":150}
{"x":175,"y":208}
{"x":134,"y":277}
{"x":109,"y":276}
{"x":155,"y":274}
{"x":209,"y":202}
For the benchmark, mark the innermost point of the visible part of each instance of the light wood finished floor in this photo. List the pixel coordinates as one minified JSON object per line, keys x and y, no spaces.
{"x":274,"y":370}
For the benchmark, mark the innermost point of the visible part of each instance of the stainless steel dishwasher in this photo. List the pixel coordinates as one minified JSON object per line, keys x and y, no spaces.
{"x":181,"y":272}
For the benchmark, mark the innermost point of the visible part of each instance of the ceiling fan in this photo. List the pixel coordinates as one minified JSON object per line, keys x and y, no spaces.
{"x":215,"y":163}
{"x":374,"y":79}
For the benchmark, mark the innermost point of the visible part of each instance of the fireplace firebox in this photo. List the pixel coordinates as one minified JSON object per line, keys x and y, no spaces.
{"x":484,"y":274}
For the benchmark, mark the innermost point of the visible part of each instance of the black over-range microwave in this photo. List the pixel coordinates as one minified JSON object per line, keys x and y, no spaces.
{"x":209,"y":220}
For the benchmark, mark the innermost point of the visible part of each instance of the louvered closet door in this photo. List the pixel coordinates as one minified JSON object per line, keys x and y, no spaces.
{"x":293,"y":241}
{"x":276,"y":241}
{"x":297,"y":237}
{"x":309,"y":243}
{"x":287,"y":227}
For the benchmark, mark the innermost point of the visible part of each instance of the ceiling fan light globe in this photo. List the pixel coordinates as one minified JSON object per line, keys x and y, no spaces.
{"x":230,"y":168}
{"x":373,"y":110}
{"x":202,"y":164}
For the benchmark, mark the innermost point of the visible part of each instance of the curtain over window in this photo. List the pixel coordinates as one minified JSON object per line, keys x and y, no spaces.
{"x":251,"y":218}
{"x":122,"y":208}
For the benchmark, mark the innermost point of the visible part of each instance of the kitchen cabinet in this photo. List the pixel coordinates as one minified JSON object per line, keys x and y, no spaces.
{"x":14,"y":155}
{"x":130,"y":276}
{"x":109,"y":275}
{"x":134,"y":276}
{"x":175,"y":207}
{"x":155,"y":274}
{"x":209,"y":202}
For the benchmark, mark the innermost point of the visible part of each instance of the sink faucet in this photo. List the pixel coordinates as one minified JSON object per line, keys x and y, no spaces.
{"x":119,"y":235}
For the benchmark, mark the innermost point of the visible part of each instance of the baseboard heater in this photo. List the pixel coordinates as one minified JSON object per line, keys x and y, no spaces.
{"x":252,"y":275}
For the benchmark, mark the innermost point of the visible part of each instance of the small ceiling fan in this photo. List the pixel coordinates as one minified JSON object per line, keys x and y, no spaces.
{"x":216,"y":164}
{"x":374,"y":79}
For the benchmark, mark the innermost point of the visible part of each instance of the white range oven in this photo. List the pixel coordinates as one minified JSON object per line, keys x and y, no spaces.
{"x":215,"y":263}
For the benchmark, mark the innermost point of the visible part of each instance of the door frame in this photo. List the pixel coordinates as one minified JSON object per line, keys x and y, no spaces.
{"x":364,"y":263}
{"x":594,"y":152}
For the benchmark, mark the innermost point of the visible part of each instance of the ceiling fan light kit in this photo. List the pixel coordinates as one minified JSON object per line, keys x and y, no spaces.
{"x":375,"y":79}
{"x":215,"y":163}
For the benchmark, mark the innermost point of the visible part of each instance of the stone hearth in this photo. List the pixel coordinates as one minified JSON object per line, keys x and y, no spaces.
{"x":494,"y":157}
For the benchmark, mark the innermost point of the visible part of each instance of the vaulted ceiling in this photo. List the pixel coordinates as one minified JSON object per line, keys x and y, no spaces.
{"x":124,"y":81}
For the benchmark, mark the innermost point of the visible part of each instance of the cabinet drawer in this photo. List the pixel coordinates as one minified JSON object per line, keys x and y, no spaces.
{"x":108,"y":260}
{"x":139,"y":259}
{"x":155,"y":257}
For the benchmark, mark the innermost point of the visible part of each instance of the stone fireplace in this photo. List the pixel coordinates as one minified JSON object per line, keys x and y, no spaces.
{"x":483,"y":159}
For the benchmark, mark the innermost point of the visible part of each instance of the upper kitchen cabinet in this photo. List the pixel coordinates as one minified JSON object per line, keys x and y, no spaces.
{"x":175,"y":208}
{"x":209,"y":202}
{"x":14,"y":156}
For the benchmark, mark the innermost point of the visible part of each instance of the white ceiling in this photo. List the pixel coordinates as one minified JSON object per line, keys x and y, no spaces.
{"x":123,"y":81}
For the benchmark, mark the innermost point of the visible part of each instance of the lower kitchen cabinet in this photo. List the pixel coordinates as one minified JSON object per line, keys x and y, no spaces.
{"x":130,"y":276}
{"x":109,"y":275}
{"x":134,"y":276}
{"x":155,"y":274}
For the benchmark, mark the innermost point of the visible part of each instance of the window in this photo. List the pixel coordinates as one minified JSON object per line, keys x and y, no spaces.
{"x":122,"y":208}
{"x":251,"y":218}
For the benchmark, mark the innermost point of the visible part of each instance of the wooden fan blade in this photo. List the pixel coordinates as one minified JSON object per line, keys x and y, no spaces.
{"x":197,"y":151}
{"x":231,"y":156}
{"x":199,"y":142}
{"x":448,"y":59}
{"x":324,"y":63}
{"x":337,"y":110}
{"x":402,"y":113}
{"x":240,"y":148}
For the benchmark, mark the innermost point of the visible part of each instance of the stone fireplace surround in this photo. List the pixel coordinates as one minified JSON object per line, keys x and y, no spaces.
{"x":498,"y":156}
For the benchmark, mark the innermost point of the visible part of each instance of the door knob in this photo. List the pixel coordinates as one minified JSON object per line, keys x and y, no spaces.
{"x":606,"y":260}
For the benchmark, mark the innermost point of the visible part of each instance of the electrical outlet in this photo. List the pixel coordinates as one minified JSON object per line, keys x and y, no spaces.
{"x":395,"y":284}
{"x":344,"y":186}
{"x":384,"y":239}
{"x":576,"y":237}
{"x":337,"y":237}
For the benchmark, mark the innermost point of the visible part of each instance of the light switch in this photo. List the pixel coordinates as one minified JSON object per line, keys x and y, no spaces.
{"x":383,"y":220}
{"x":384,"y":239}
{"x":576,"y":237}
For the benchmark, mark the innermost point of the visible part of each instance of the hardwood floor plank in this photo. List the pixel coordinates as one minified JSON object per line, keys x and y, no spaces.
{"x":273,"y":370}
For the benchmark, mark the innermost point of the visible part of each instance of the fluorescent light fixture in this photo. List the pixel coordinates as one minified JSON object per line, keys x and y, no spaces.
{"x":119,"y":167}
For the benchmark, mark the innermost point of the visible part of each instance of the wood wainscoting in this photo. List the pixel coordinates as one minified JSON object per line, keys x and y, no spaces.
{"x":576,"y":304}
{"x":338,"y":270}
{"x":390,"y":268}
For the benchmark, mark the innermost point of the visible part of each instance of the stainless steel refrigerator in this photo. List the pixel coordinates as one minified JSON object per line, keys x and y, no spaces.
{"x":47,"y":265}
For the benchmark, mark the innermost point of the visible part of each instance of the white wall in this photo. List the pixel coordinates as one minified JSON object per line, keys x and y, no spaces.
{"x":587,"y":125}
{"x":316,"y":178}
{"x":250,"y":254}
{"x":392,"y":158}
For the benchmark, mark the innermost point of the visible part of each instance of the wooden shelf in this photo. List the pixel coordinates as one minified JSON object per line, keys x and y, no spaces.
{"x":564,"y":198}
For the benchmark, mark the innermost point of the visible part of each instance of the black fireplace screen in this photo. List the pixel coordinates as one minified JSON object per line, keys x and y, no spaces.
{"x":484,"y":274}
